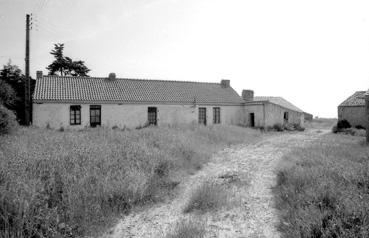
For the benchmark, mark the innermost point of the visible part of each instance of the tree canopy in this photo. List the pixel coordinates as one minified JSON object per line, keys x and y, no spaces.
{"x":12,"y":89}
{"x":65,"y":66}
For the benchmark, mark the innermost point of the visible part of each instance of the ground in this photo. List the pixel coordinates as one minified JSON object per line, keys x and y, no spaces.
{"x":249,"y":171}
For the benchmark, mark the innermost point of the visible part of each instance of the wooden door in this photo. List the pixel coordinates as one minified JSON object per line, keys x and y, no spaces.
{"x":95,"y":115}
{"x":152,"y":116}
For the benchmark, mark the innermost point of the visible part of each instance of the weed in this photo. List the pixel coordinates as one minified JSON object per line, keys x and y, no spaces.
{"x":208,"y":196}
{"x":188,"y":228}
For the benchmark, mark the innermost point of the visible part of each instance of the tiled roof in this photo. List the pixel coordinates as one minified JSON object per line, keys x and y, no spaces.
{"x":279,"y":101}
{"x":70,"y":89}
{"x":357,"y":99}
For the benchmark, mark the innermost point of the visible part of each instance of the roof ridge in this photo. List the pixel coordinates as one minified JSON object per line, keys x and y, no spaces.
{"x":132,"y":79}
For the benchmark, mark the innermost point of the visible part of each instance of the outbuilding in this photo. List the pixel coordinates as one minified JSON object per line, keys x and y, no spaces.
{"x":266,"y":111}
{"x":353,"y":109}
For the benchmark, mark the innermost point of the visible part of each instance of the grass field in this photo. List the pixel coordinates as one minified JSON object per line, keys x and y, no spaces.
{"x":323,"y":190}
{"x":321,"y":123}
{"x":56,"y":183}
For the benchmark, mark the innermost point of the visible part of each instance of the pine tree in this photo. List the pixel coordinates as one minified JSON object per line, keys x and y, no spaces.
{"x":65,"y":66}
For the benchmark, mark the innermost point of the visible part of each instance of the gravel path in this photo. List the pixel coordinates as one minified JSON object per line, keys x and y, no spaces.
{"x":250,"y":212}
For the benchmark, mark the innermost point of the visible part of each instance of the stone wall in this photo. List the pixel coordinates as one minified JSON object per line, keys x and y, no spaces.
{"x":355,"y":115}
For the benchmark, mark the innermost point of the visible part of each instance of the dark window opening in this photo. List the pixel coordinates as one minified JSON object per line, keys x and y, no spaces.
{"x":152,"y":116}
{"x":285,"y":116}
{"x":95,"y":115}
{"x":75,"y":115}
{"x":202,"y":115}
{"x":252,"y":119}
{"x":216,"y":115}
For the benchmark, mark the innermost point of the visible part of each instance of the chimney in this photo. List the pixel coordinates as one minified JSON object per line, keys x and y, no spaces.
{"x":248,"y":95}
{"x":39,"y":74}
{"x":112,"y":76}
{"x":225,"y":83}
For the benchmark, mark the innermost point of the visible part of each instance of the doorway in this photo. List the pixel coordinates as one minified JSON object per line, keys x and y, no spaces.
{"x":252,"y":119}
{"x":152,"y":115}
{"x":95,"y":115}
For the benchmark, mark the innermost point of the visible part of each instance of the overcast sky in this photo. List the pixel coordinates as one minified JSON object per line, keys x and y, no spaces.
{"x":314,"y":53}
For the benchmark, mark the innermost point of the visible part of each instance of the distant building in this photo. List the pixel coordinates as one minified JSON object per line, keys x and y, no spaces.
{"x":78,"y":102}
{"x":353,"y":109}
{"x":308,"y":116}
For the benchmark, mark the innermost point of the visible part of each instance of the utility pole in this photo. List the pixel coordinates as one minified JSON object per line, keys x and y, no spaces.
{"x":27,"y":84}
{"x":367,"y":115}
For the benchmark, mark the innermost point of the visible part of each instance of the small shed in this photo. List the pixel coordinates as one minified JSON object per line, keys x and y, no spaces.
{"x":353,"y":109}
{"x":264,"y":111}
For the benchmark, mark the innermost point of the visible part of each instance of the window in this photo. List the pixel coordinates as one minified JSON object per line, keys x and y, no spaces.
{"x":216,"y":115}
{"x":202,"y":115}
{"x":95,"y":115}
{"x":285,"y":116}
{"x":75,"y":115}
{"x":152,"y":115}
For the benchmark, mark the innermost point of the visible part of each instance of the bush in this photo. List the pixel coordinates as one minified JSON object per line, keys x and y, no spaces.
{"x":7,"y":120}
{"x":360,"y":127}
{"x":278,"y":127}
{"x":343,"y":124}
{"x":298,"y":127}
{"x":208,"y":196}
{"x":335,"y":129}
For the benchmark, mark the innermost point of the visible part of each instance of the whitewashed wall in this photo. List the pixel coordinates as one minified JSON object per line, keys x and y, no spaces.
{"x":56,"y":115}
{"x":274,"y":115}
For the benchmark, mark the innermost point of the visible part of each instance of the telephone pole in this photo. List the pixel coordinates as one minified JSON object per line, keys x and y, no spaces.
{"x":27,"y":84}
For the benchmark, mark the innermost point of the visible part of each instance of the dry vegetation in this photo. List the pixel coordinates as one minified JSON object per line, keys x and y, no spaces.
{"x":321,"y":123}
{"x":209,"y":196}
{"x":188,"y":228}
{"x":323,"y":190}
{"x":62,"y":183}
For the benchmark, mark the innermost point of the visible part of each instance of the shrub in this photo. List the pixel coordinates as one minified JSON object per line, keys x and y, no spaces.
{"x":189,"y":228}
{"x":360,"y":127}
{"x":208,"y":196}
{"x":335,"y":129}
{"x":7,"y":120}
{"x":278,"y":127}
{"x":298,"y":127}
{"x":343,"y":124}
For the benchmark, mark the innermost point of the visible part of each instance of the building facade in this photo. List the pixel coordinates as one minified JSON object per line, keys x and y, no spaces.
{"x":353,"y":109}
{"x":79,"y":102}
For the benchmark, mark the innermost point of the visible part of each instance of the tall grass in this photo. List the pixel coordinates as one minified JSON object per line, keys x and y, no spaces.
{"x":188,"y":228}
{"x":208,"y":196}
{"x":321,"y":123}
{"x":63,"y":183}
{"x":323,"y":190}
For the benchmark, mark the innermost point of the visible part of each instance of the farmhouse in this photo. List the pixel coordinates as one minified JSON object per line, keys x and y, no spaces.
{"x":78,"y":102}
{"x":353,"y":109}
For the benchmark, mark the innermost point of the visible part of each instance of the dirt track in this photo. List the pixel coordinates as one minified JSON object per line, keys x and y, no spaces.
{"x":250,"y":212}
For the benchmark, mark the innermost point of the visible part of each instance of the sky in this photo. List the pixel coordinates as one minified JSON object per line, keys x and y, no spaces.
{"x":313,"y":53}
